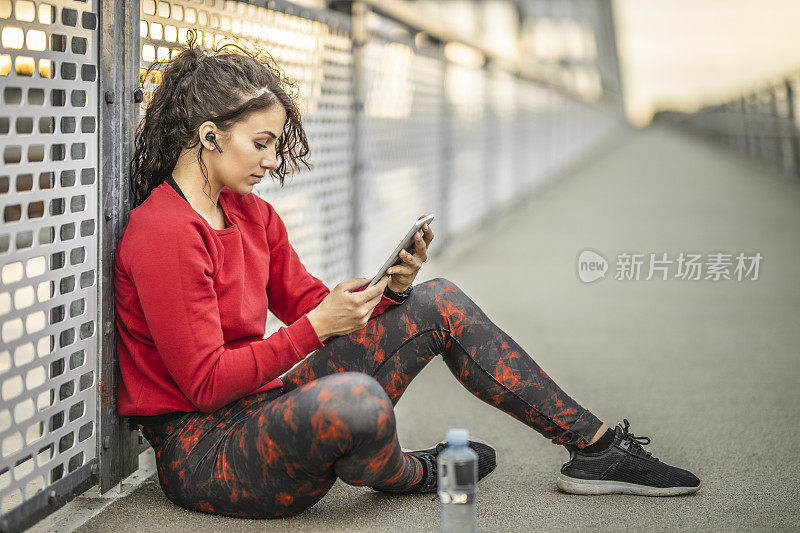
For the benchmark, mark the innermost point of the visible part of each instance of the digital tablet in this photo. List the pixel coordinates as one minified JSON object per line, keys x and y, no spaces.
{"x":407,"y":242}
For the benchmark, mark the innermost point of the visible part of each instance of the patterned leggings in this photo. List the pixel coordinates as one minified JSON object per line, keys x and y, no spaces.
{"x":277,"y":453}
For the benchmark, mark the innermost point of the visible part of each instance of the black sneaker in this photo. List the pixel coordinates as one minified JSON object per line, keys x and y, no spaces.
{"x":487,"y":460}
{"x":623,"y":468}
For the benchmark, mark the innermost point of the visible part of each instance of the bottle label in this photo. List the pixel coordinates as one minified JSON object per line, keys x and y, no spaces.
{"x":465,"y":474}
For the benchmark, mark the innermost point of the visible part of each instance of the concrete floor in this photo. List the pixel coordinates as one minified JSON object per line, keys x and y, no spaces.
{"x":709,"y":370}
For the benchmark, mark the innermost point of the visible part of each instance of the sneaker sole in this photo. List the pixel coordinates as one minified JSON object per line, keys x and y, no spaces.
{"x":592,"y":486}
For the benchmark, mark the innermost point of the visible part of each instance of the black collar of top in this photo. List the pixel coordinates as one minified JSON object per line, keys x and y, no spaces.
{"x":398,"y":296}
{"x":171,"y":182}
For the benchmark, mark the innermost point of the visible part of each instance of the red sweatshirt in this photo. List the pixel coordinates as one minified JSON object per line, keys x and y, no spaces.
{"x":191,"y":304}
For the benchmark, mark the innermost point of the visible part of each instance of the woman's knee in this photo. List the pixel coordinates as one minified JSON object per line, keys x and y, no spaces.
{"x":358,"y":402}
{"x":437,"y":294}
{"x":441,"y":287}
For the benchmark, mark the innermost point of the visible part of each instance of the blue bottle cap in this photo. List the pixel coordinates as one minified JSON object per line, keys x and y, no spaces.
{"x":457,"y":436}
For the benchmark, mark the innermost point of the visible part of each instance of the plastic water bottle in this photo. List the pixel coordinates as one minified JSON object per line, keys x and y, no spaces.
{"x":457,"y":479}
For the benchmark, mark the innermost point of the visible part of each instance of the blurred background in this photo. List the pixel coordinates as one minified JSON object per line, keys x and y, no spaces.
{"x":683,"y":55}
{"x":676,"y":55}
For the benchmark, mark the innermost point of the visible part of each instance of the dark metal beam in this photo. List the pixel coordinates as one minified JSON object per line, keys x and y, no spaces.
{"x":119,"y":56}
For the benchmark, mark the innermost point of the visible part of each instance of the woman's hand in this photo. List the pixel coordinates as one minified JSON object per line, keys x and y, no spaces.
{"x":345,"y":310}
{"x":402,"y":275}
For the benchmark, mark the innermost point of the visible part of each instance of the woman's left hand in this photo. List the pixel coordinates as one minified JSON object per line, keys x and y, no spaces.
{"x":402,"y":275}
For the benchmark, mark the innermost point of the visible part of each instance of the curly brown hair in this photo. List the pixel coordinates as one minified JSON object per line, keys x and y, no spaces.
{"x":193,"y":82}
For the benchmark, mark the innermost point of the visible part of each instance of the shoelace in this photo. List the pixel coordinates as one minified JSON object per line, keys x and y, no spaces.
{"x":635,"y":441}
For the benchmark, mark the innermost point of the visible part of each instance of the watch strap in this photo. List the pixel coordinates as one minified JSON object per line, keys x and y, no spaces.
{"x":397,"y":296}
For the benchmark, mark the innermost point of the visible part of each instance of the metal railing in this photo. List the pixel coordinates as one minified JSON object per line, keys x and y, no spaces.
{"x":763,"y":124}
{"x":396,"y":130}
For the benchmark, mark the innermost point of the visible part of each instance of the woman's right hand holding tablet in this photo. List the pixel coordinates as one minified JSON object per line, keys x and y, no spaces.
{"x":345,"y":310}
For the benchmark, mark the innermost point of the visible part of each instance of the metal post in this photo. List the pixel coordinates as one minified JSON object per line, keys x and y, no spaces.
{"x":753,"y":123}
{"x":447,"y":157}
{"x":491,"y":119}
{"x":359,"y":36}
{"x":778,"y":132}
{"x":608,"y":56}
{"x":748,"y":145}
{"x":773,"y":136}
{"x":795,"y":138}
{"x":119,"y":79}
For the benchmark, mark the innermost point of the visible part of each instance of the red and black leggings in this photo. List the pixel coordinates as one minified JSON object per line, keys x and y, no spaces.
{"x":277,"y":453}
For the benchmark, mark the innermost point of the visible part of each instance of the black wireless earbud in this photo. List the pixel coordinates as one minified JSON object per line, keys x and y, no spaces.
{"x":213,"y":138}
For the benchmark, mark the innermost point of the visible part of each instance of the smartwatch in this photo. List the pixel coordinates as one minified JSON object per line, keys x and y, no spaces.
{"x":399,"y":297}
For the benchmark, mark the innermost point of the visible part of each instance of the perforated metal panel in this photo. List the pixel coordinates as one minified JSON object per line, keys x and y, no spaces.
{"x":575,"y":129}
{"x":563,"y":134}
{"x":48,"y":244}
{"x":503,"y":110}
{"x":401,"y":142}
{"x":533,"y":142}
{"x":553,"y":133}
{"x":315,"y":205}
{"x":466,"y":91}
